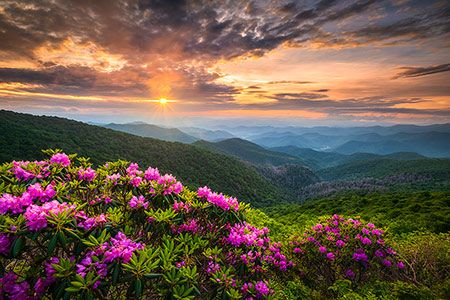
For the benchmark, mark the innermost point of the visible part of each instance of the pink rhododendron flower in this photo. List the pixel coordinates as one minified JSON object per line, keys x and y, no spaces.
{"x":170,"y":184}
{"x":136,"y":181}
{"x":5,"y":243}
{"x":136,"y":202}
{"x":340,"y":243}
{"x":86,"y":174}
{"x":151,"y":174}
{"x":121,"y":248}
{"x":60,"y":158}
{"x":133,"y":170}
{"x":36,"y":216}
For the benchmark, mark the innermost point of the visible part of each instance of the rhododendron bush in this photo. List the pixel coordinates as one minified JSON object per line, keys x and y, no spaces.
{"x":69,"y":230}
{"x":344,"y":249}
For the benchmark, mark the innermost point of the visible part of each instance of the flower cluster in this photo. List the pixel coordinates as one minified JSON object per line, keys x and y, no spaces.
{"x":72,"y":231}
{"x":225,"y":203}
{"x":36,"y":216}
{"x":347,"y":247}
{"x":258,"y":247}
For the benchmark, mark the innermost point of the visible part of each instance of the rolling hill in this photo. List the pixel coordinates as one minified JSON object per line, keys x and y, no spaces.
{"x":320,"y":159}
{"x":436,"y":168}
{"x":249,"y":152}
{"x":24,"y":136}
{"x":285,"y":171}
{"x":207,"y":135}
{"x":153,"y":131}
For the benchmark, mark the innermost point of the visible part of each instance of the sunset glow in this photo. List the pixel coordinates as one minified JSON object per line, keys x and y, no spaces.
{"x":347,"y":61}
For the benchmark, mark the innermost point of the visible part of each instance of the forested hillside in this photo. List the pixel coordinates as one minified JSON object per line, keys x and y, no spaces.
{"x":24,"y":136}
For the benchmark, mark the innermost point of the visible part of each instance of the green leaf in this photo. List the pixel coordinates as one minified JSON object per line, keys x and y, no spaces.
{"x":52,"y":244}
{"x":138,"y":288}
{"x":152,"y":275}
{"x":18,"y":246}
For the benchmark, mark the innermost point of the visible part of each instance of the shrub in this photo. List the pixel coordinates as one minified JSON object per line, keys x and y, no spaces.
{"x":68,"y":230}
{"x":344,"y":249}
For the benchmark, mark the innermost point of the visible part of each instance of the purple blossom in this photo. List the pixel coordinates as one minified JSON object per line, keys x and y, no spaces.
{"x":121,"y":249}
{"x":261,"y":289}
{"x":86,"y":174}
{"x":340,"y":243}
{"x":136,"y":202}
{"x":225,"y":203}
{"x":5,"y":243}
{"x":350,"y":274}
{"x":36,"y":216}
{"x":152,"y":174}
{"x":15,"y":290}
{"x":359,"y":255}
{"x":330,"y":255}
{"x":133,"y":170}
{"x":170,"y":184}
{"x":60,"y":158}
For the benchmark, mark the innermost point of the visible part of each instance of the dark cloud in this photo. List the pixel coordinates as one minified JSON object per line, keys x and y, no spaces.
{"x":184,"y":38}
{"x":421,"y":71}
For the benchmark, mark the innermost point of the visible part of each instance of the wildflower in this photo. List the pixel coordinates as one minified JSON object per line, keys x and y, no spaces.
{"x":203,"y":192}
{"x":170,"y":184}
{"x":387,"y":262}
{"x":136,"y":181}
{"x":5,"y":243}
{"x":133,"y":170}
{"x":121,"y":249}
{"x":261,"y":289}
{"x":212,"y":267}
{"x":330,"y":255}
{"x":180,"y":206}
{"x":136,"y":202}
{"x":359,"y":255}
{"x":400,"y":265}
{"x":225,"y":203}
{"x":379,"y":253}
{"x":350,"y":274}
{"x":15,"y":290}
{"x":36,"y":216}
{"x":86,"y":174}
{"x":151,"y":174}
{"x":340,"y":243}
{"x":366,"y":241}
{"x":113,"y":178}
{"x":60,"y":158}
{"x":322,"y":249}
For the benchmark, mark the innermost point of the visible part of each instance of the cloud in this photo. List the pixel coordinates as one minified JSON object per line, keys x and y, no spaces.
{"x":421,"y":71}
{"x":168,"y":48}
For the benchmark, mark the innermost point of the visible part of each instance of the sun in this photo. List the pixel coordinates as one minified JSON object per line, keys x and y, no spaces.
{"x":162,"y":101}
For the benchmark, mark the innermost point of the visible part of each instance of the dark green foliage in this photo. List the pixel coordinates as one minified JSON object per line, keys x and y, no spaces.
{"x":24,"y":136}
{"x":438,"y":168}
{"x":249,"y":151}
{"x":400,"y":212}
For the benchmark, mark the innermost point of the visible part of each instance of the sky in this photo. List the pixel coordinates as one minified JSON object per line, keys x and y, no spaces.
{"x":236,"y":62}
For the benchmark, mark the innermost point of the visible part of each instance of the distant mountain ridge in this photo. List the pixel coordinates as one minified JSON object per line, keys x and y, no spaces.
{"x":431,"y":144}
{"x":153,"y":131}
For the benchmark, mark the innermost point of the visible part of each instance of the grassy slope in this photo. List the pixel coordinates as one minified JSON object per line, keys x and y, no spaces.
{"x":24,"y":136}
